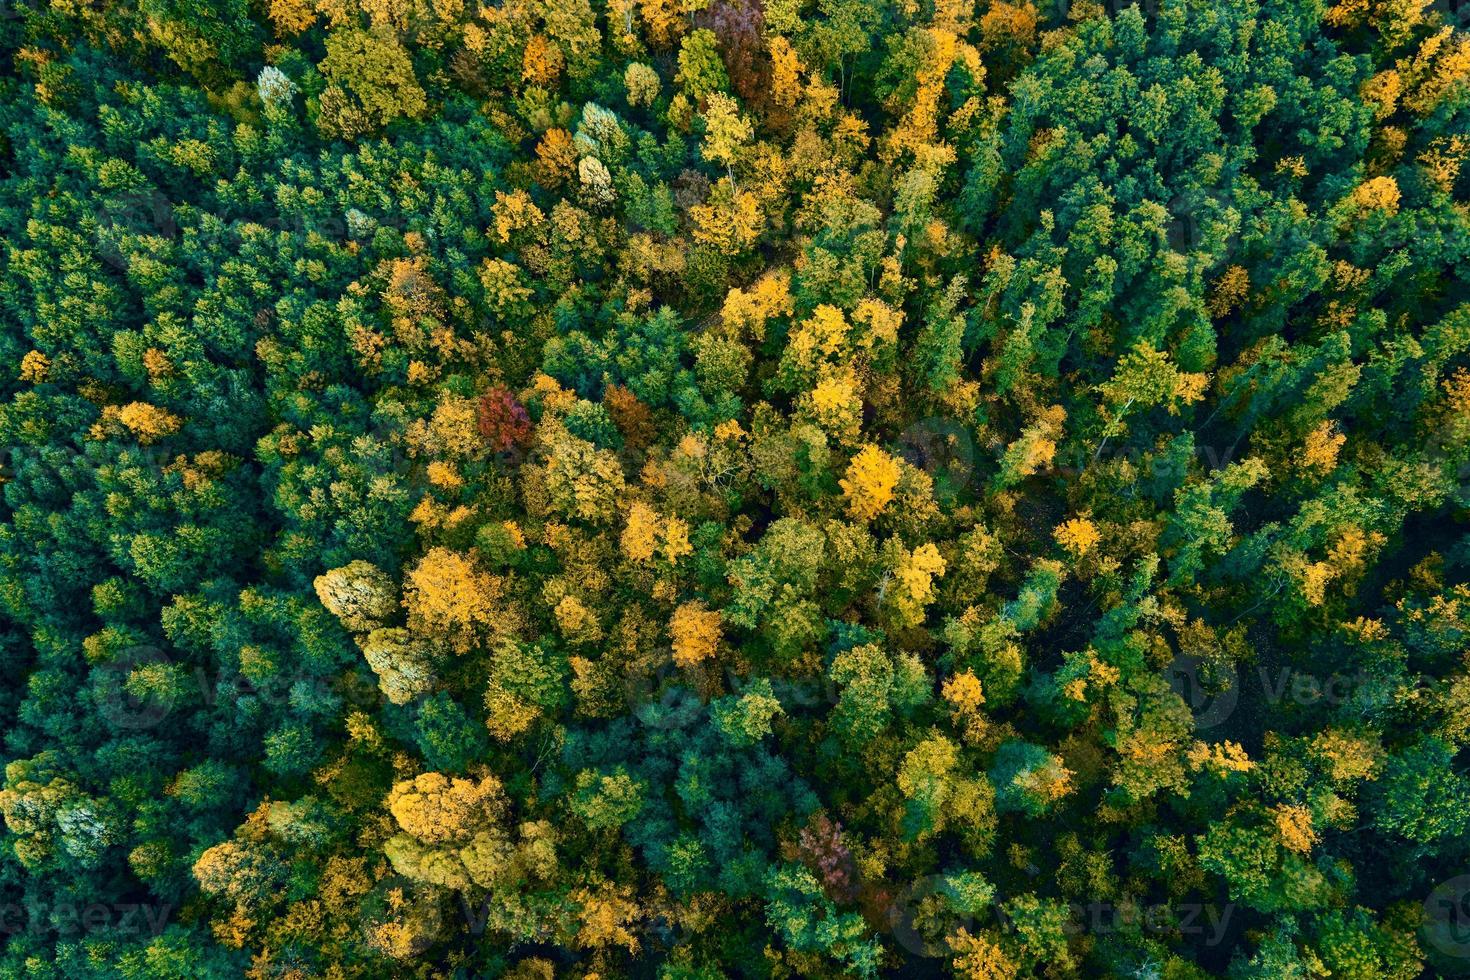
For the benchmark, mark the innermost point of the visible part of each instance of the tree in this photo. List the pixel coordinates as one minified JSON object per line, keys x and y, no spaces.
{"x":403,"y":662}
{"x":938,"y":797}
{"x":696,"y":633}
{"x":701,"y":70}
{"x":448,"y":597}
{"x":726,"y":132}
{"x":746,"y":719}
{"x":871,"y":478}
{"x":370,"y":83}
{"x":359,"y":594}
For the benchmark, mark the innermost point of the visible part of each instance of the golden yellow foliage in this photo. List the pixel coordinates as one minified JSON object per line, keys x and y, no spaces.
{"x":1314,"y":579}
{"x":696,"y":633}
{"x":963,"y":692}
{"x":1347,"y":757}
{"x":1442,"y":160}
{"x":452,"y":432}
{"x":1008,"y":24}
{"x":556,"y":157}
{"x":1229,"y":291}
{"x":444,"y":476}
{"x":148,"y":422}
{"x":1437,"y":70}
{"x":435,"y":808}
{"x":1295,"y":165}
{"x":1347,"y":13}
{"x":542,"y":61}
{"x":1352,"y":546}
{"x":663,"y":21}
{"x":1378,"y":194}
{"x":979,"y":958}
{"x":1190,"y":388}
{"x":785,"y":72}
{"x":918,"y":128}
{"x":1457,"y":392}
{"x":1078,"y":535}
{"x":448,"y":597}
{"x":33,"y":367}
{"x":880,"y":323}
{"x":1049,"y":782}
{"x":515,"y":212}
{"x":1294,"y":827}
{"x":291,"y":17}
{"x":1382,"y":91}
{"x":1222,"y":757}
{"x":676,"y":539}
{"x":507,"y":715}
{"x":819,"y":338}
{"x":1037,"y":445}
{"x":157,"y":364}
{"x":412,"y":297}
{"x":1319,"y":454}
{"x":640,"y":534}
{"x":730,"y":430}
{"x":729,"y":221}
{"x":871,"y":478}
{"x":965,"y":695}
{"x":606,"y":914}
{"x":912,"y":585}
{"x":582,"y":481}
{"x":575,"y":621}
{"x":835,"y":405}
{"x":646,"y":534}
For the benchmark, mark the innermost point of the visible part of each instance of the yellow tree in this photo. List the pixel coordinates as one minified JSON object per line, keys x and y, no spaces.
{"x":696,"y":633}
{"x":359,"y":594}
{"x":726,"y":132}
{"x":872,"y":476}
{"x":450,"y":599}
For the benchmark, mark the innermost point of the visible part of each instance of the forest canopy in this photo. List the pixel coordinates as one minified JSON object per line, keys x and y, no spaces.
{"x":697,"y":489}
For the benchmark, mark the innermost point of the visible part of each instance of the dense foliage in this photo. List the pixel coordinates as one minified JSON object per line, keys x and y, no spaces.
{"x":734,"y":488}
